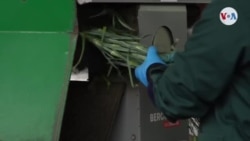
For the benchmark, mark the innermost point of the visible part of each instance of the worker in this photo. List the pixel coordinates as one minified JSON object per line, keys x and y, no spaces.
{"x":210,"y":79}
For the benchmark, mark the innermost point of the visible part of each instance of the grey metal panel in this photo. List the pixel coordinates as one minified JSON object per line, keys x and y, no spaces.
{"x":194,"y":1}
{"x":153,"y":123}
{"x":144,"y":1}
{"x":127,"y":125}
{"x":134,"y":122}
{"x":151,"y":17}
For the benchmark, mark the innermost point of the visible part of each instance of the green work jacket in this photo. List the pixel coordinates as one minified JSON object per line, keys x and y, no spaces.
{"x":210,"y":80}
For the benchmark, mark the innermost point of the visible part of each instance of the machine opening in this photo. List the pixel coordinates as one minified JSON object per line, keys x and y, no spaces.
{"x":163,"y":39}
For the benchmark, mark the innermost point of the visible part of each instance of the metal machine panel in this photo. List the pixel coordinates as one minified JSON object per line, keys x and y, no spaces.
{"x":138,"y":119}
{"x":37,"y":42}
{"x":150,"y":17}
{"x":127,"y":126}
{"x":144,"y":1}
{"x":155,"y":126}
{"x":39,"y":16}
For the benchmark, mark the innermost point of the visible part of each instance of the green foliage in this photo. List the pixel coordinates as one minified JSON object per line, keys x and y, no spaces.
{"x":120,"y":46}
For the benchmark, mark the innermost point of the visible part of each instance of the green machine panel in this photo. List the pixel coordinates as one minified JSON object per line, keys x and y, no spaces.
{"x":37,"y":15}
{"x":37,"y":42}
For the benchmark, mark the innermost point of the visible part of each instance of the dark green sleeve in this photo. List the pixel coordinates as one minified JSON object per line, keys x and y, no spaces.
{"x":202,"y":73}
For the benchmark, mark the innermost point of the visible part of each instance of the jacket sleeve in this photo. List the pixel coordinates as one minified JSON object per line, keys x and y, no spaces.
{"x":204,"y":71}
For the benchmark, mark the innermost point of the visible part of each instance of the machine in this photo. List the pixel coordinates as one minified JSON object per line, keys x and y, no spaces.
{"x":37,"y":45}
{"x":138,"y":119}
{"x":150,"y":123}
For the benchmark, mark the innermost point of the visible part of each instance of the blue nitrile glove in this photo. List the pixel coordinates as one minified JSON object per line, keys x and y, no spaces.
{"x":141,"y":70}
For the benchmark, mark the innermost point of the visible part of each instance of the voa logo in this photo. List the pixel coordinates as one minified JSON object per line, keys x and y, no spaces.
{"x":228,"y":16}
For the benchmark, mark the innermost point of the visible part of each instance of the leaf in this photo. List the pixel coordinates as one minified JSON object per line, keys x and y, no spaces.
{"x":82,"y":52}
{"x":109,"y":70}
{"x":104,"y":29}
{"x":102,"y":13}
{"x":130,"y":73}
{"x":125,"y":25}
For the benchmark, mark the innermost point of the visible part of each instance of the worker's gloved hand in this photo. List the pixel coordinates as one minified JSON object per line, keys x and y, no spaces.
{"x":152,"y":58}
